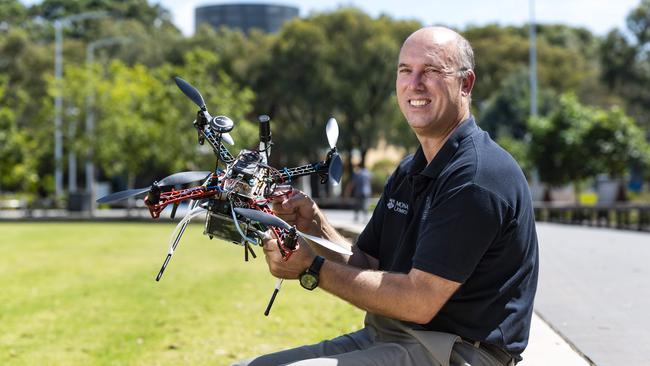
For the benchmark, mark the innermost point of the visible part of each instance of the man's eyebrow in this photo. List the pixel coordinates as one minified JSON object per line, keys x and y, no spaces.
{"x":401,"y":64}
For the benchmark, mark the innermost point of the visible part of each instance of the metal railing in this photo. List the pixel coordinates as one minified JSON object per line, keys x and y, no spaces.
{"x":629,"y":216}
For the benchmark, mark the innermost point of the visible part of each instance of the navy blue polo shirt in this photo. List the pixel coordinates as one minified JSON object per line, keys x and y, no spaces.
{"x":467,"y":216}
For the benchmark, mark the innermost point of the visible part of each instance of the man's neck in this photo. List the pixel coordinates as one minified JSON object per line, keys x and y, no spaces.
{"x":431,"y":144}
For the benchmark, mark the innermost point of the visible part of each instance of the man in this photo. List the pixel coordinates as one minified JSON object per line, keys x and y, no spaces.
{"x":447,"y":266}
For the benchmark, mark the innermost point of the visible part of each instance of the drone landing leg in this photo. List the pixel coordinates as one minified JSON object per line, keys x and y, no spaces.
{"x":183,"y":224}
{"x":171,"y":252}
{"x":249,"y":249}
{"x":275,"y":293}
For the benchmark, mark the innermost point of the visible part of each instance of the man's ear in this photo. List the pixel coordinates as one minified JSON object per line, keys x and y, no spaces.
{"x":467,"y":83}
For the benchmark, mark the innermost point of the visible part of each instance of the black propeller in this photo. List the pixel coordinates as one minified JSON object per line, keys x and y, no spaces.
{"x":122,"y":195}
{"x":336,"y":168}
{"x":271,"y":220}
{"x":221,"y":124}
{"x":172,"y":180}
{"x":191,"y":92}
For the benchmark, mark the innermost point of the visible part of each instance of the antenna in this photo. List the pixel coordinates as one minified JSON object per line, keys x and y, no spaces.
{"x":265,"y":136}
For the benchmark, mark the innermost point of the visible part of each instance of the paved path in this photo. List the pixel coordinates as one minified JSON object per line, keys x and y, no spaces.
{"x":594,"y":288}
{"x":545,"y":348}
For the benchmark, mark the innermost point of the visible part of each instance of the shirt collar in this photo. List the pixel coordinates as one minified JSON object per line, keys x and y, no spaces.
{"x":431,"y":170}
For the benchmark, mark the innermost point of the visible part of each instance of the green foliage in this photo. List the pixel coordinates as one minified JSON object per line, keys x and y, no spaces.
{"x":16,"y":165}
{"x":144,"y":122}
{"x":576,"y":142}
{"x":381,"y":171}
{"x":507,"y":111}
{"x":519,"y":149}
{"x":12,"y":12}
{"x":617,"y":141}
{"x":626,"y":63}
{"x":638,"y":22}
{"x":339,"y":64}
{"x":563,"y":58}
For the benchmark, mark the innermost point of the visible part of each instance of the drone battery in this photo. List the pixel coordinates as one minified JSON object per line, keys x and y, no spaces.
{"x":221,"y":226}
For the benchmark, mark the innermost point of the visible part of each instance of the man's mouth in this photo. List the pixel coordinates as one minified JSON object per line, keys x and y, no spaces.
{"x":419,"y":102}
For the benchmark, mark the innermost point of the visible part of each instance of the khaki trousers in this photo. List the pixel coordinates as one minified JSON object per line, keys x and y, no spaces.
{"x":382,"y":342}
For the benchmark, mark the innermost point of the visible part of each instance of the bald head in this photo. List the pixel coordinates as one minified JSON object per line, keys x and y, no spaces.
{"x":459,"y":55}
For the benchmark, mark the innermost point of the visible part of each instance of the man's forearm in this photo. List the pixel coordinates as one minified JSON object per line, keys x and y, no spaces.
{"x":394,"y":295}
{"x":322,"y":228}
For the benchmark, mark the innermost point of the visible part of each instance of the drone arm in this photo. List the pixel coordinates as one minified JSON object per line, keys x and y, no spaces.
{"x":173,"y":196}
{"x":289,"y":174}
{"x":206,"y":133}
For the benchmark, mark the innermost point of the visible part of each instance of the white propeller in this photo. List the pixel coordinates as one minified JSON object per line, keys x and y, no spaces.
{"x":332,"y":131}
{"x":268,"y":219}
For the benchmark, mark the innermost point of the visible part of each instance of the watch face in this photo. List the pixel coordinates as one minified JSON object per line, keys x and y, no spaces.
{"x":308,"y":281}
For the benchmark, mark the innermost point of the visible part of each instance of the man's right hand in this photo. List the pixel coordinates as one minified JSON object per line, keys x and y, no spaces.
{"x":300,"y":210}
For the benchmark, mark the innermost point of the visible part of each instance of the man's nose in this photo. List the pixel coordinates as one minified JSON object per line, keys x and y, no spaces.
{"x":416,"y":81}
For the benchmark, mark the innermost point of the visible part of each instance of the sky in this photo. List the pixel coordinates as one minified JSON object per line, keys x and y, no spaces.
{"x":599,"y":16}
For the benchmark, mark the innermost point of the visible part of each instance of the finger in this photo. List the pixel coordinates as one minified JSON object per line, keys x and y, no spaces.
{"x":268,"y":245}
{"x":295,"y":200}
{"x":281,"y":209}
{"x":270,"y":234}
{"x":290,"y":218}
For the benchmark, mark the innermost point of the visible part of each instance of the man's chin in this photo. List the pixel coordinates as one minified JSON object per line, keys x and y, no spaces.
{"x":419,"y":123}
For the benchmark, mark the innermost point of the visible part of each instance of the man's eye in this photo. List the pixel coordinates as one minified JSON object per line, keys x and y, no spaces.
{"x":403,"y":71}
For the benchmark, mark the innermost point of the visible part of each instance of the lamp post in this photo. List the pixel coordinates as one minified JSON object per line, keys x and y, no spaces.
{"x":533,"y":60}
{"x":72,"y":156}
{"x":90,"y":117}
{"x":58,"y":100}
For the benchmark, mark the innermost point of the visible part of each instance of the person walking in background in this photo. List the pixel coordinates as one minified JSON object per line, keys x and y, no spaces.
{"x":361,"y":191}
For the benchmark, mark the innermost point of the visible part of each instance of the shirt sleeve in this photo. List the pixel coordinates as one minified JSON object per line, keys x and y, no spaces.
{"x":456,"y":230}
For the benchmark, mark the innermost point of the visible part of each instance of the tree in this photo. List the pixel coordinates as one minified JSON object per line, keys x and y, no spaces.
{"x":576,"y":142}
{"x":626,"y":63}
{"x":17,"y":166}
{"x":507,"y":110}
{"x":23,"y":65}
{"x":12,"y":12}
{"x":564,"y":61}
{"x":339,"y":64}
{"x":144,"y":122}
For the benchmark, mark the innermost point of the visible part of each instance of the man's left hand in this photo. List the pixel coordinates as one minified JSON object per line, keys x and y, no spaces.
{"x":297,"y":263}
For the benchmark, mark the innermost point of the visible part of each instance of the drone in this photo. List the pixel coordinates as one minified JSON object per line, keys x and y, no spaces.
{"x":236,"y":196}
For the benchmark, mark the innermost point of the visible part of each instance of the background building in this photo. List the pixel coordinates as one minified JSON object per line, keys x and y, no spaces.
{"x":267,"y":17}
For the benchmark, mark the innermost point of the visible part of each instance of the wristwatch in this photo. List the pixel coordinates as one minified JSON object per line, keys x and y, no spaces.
{"x":309,"y":278}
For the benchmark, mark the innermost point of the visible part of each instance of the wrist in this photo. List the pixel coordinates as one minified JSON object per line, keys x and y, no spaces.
{"x":309,"y":279}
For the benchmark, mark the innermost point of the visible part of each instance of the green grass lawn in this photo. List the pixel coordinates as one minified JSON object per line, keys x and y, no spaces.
{"x":85,"y":294}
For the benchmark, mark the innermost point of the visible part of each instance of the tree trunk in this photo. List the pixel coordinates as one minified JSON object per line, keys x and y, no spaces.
{"x":576,"y":193}
{"x":362,"y":161}
{"x":130,"y":184}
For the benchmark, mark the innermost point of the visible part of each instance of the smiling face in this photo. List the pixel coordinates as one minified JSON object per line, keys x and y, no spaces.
{"x":431,"y":93}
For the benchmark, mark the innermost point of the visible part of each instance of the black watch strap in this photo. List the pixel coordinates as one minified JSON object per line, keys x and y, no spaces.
{"x":316,"y":265}
{"x":309,"y":278}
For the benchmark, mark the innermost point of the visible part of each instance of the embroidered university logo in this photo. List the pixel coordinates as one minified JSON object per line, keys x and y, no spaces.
{"x":397,"y":206}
